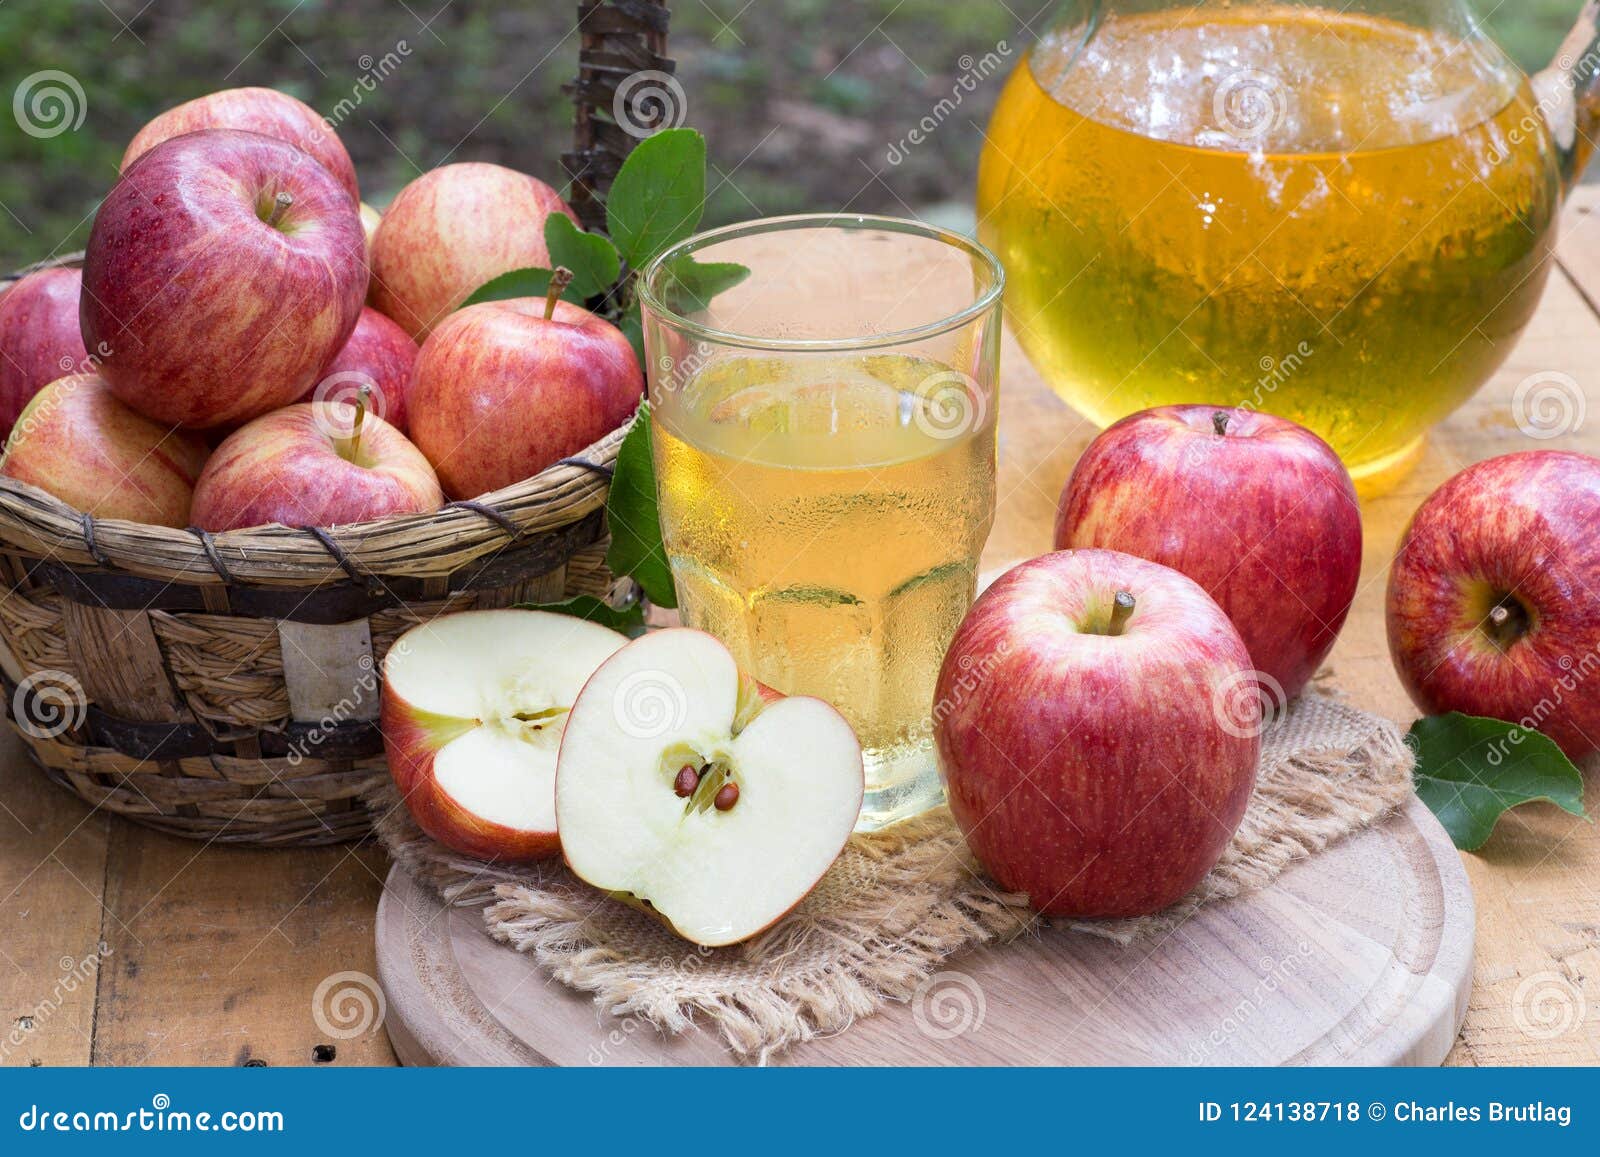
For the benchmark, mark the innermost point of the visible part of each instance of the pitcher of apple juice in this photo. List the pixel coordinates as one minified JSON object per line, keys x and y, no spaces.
{"x":824,"y":443}
{"x":1341,"y":213}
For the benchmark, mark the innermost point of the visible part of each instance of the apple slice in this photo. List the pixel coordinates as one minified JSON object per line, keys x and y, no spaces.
{"x":472,"y":712}
{"x":692,"y":790}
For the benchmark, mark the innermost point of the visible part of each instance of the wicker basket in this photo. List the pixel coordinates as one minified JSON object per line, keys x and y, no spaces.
{"x":225,"y":686}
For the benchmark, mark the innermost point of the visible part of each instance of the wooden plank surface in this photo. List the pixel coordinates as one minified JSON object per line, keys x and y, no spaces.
{"x":216,"y":953}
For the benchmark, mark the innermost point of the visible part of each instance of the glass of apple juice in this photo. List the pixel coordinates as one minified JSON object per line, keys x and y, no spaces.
{"x":823,"y":428}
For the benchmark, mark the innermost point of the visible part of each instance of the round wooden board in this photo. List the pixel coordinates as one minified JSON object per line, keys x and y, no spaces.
{"x":1360,"y":955}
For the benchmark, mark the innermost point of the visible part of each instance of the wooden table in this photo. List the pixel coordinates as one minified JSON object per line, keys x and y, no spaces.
{"x":212,"y":955}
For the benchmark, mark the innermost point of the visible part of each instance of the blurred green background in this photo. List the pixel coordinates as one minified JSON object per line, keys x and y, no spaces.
{"x":800,"y":100}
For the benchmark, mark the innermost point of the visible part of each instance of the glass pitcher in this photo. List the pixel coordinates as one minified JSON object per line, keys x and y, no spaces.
{"x":1340,"y":214}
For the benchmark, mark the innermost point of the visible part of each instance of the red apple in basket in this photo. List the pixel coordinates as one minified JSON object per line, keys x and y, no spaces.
{"x":313,"y":464}
{"x":505,"y":388}
{"x":257,"y":110}
{"x":688,"y":789}
{"x":39,"y":338}
{"x":1256,"y":509}
{"x":76,"y":441}
{"x":452,"y":230}
{"x":1494,"y":596}
{"x":222,"y":274}
{"x":379,"y":355}
{"x":1098,"y":729}
{"x":473,"y":709}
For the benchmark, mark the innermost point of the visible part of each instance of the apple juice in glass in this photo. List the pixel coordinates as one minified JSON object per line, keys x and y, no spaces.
{"x":824,"y":443}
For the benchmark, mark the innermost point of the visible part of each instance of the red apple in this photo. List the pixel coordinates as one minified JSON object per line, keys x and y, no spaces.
{"x":502,"y":390}
{"x":222,"y":274}
{"x":452,"y":230}
{"x":257,"y":110}
{"x":39,"y":338}
{"x":1494,"y":596}
{"x":75,"y":440}
{"x":1098,"y":729}
{"x":313,"y":464}
{"x":379,"y":355}
{"x":1257,"y":510}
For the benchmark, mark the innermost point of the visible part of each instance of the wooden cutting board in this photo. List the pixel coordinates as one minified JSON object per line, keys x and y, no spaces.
{"x":1360,"y":955}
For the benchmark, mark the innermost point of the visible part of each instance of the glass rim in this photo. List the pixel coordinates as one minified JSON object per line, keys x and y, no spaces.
{"x":983,"y":303}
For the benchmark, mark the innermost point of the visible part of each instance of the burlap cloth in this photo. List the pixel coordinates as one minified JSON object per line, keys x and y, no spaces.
{"x":896,"y":903}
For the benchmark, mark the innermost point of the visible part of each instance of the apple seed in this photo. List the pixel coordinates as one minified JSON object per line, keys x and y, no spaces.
{"x":727,"y":796}
{"x":688,"y":779}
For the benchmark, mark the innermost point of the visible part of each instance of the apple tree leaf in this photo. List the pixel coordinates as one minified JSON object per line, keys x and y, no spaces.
{"x":635,"y":516}
{"x":690,"y":285}
{"x":629,"y":620}
{"x":591,"y":257}
{"x":658,"y":194}
{"x":1470,"y":770}
{"x":531,"y":282}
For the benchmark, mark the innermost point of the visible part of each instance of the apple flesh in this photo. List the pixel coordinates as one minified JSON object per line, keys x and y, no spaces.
{"x":257,"y":110}
{"x":501,"y":391}
{"x":1256,"y":509}
{"x":379,"y":355}
{"x":75,"y":440}
{"x":222,"y":273}
{"x":313,"y":464}
{"x":39,"y":338}
{"x":472,"y":712}
{"x":686,"y":788}
{"x":452,"y":230}
{"x":1098,"y":750}
{"x":1494,"y":596}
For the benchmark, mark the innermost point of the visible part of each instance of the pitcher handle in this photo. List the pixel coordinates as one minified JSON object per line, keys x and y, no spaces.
{"x":1568,"y":94}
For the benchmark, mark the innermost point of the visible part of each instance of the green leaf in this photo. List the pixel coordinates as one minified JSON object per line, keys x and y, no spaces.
{"x":632,"y":327}
{"x":690,"y":285}
{"x":629,"y":621}
{"x":520,"y":283}
{"x":635,"y":517}
{"x":658,"y":195}
{"x":1471,"y":769}
{"x":591,"y":257}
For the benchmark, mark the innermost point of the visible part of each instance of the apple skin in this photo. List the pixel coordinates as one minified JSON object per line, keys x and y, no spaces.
{"x":1096,"y":773}
{"x":39,"y":338}
{"x":257,"y":110}
{"x":450,"y":231}
{"x":380,"y":354}
{"x":1264,"y":517}
{"x":500,"y":392}
{"x":1527,"y":523}
{"x":75,"y":440}
{"x":206,"y":314}
{"x":289,"y":467}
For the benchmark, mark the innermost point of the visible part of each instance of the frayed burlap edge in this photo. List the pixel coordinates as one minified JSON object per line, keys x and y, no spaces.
{"x":896,"y":904}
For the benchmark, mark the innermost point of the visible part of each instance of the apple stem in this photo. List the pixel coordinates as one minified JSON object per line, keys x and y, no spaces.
{"x":1219,"y":423}
{"x":1121,"y":607}
{"x":559,"y":280}
{"x":280,"y":205}
{"x":363,"y":396}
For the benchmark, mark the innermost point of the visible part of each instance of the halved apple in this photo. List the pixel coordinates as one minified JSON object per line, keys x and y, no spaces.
{"x":690,"y":789}
{"x":472,"y":712}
